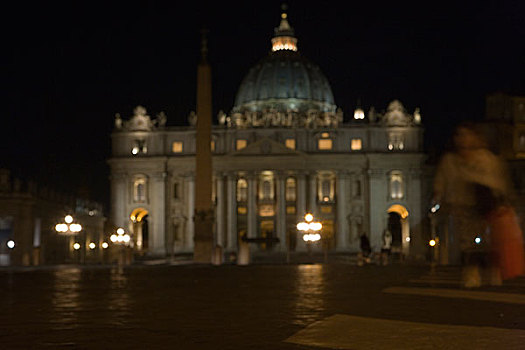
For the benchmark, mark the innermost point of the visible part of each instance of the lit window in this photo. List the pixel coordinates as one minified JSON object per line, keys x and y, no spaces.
{"x":177,"y":147}
{"x":290,"y":210}
{"x":290,"y":193}
{"x":325,"y":135}
{"x":396,"y":185}
{"x":356,"y":144}
{"x":290,"y":143}
{"x":242,"y":190}
{"x":212,"y":145}
{"x":266,"y":210}
{"x":240,"y":144}
{"x":139,"y":147}
{"x":241,"y":210}
{"x":324,"y":144}
{"x":139,"y":190}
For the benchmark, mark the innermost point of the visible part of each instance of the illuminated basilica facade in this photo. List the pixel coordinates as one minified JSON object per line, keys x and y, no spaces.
{"x":283,"y":150}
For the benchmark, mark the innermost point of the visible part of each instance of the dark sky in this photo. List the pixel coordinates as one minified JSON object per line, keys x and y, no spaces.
{"x":69,"y":67}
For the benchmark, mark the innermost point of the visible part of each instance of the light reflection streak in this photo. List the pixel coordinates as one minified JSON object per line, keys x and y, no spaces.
{"x":119,"y":299}
{"x":310,"y":294}
{"x":65,"y":298}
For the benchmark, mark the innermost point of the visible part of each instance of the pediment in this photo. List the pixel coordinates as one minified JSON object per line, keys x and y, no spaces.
{"x":266,"y":147}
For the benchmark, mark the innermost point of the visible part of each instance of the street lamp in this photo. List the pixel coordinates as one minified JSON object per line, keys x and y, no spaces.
{"x":10,"y":244}
{"x":310,"y":230}
{"x":122,"y":239}
{"x":70,"y":228}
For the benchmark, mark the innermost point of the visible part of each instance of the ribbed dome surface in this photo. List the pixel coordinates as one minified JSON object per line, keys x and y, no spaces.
{"x":284,"y":80}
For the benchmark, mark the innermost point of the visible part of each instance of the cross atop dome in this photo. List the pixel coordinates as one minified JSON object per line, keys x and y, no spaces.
{"x":284,"y":38}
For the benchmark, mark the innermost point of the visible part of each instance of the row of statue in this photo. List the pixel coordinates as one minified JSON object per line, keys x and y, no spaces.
{"x":273,"y":118}
{"x":395,"y":115}
{"x":140,"y":120}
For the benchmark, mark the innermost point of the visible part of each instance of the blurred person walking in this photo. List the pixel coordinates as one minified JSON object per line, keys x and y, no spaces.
{"x":472,"y":187}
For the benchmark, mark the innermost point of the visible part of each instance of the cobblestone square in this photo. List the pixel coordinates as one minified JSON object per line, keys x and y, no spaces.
{"x":232,"y":307}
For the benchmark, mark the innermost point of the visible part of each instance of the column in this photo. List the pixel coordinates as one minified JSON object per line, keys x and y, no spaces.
{"x":281,"y":211}
{"x":231,"y":218}
{"x":190,"y":210}
{"x":377,"y":200}
{"x":118,"y":200}
{"x":157,"y":197}
{"x":312,"y":194}
{"x":301,"y":208}
{"x":342,"y":222}
{"x":252,"y":206}
{"x":221,"y":211}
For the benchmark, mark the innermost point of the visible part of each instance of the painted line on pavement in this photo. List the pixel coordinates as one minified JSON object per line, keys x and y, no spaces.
{"x":509,"y":298}
{"x":363,"y":333}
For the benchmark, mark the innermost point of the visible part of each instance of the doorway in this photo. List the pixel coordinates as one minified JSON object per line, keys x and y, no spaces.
{"x":140,"y":229}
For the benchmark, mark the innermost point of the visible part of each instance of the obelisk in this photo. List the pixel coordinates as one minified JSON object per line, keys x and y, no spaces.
{"x":204,"y":215}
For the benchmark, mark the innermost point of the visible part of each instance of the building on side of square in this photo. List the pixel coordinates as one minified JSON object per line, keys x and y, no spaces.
{"x":28,"y":215}
{"x":283,"y":150}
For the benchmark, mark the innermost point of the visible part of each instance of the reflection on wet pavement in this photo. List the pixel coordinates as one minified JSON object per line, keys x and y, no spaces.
{"x":65,"y":298}
{"x":205,"y":307}
{"x":309,"y":303}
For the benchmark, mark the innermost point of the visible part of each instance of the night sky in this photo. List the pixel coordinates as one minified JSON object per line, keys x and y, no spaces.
{"x":69,"y":67}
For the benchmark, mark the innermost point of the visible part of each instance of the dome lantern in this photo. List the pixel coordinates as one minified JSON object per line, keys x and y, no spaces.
{"x":284,"y":38}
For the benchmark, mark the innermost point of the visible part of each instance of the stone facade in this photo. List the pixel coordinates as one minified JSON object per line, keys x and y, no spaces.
{"x":276,"y":156}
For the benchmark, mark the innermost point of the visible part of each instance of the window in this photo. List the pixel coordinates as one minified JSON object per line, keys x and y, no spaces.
{"x":241,"y":210}
{"x":139,"y":147}
{"x":177,"y":147}
{"x":356,"y":144}
{"x":396,"y":142}
{"x":242,"y":190}
{"x":266,"y":189}
{"x":240,"y":144}
{"x":325,"y":190}
{"x":290,"y":192}
{"x":325,"y":186}
{"x":396,"y":185}
{"x":290,"y":143}
{"x":212,"y":145}
{"x":176,"y":189}
{"x":139,"y":190}
{"x":266,"y":185}
{"x":324,"y":144}
{"x":521,"y":142}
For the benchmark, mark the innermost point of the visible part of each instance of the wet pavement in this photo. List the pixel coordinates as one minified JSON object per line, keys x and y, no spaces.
{"x":227,"y":307}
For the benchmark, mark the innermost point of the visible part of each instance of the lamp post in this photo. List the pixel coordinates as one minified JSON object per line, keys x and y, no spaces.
{"x":71,"y":229}
{"x":310,"y":230}
{"x":122,"y":239}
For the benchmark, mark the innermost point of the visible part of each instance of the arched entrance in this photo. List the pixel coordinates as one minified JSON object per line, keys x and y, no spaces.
{"x":140,"y":228}
{"x":399,"y":228}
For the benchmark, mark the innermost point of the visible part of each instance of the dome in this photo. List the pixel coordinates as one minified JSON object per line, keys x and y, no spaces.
{"x":284,"y":80}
